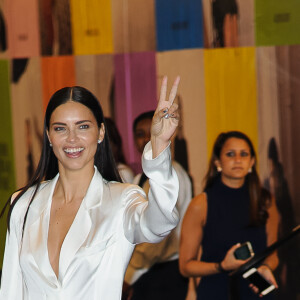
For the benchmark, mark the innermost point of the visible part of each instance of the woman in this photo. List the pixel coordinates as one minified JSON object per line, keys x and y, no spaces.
{"x":72,"y":236}
{"x":233,"y":209}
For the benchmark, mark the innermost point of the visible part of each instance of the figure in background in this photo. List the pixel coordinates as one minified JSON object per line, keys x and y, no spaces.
{"x":288,"y":272}
{"x":225,"y":23}
{"x":3,"y":43}
{"x":153,"y":271}
{"x":72,"y":229}
{"x":233,"y":209}
{"x":55,"y":24}
{"x":116,"y":144}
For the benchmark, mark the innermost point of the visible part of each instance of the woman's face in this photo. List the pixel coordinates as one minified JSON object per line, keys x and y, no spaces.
{"x":74,"y":133}
{"x":235,"y":160}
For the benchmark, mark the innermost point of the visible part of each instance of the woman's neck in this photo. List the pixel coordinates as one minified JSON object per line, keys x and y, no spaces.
{"x":73,"y":185}
{"x":234,"y":183}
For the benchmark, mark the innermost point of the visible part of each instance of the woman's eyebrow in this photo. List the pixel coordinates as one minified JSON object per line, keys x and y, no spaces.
{"x":77,"y":123}
{"x":83,"y":121}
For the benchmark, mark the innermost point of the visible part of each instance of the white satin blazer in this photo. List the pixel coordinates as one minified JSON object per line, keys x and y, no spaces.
{"x":112,"y":218}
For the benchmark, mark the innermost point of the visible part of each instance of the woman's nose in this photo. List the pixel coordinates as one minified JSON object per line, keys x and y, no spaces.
{"x":72,"y":136}
{"x":238,"y":158}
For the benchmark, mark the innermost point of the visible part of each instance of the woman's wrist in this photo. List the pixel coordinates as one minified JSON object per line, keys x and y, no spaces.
{"x":219,"y":268}
{"x":266,"y":265}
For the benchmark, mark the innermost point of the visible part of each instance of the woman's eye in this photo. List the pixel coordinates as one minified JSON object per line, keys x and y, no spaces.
{"x":244,"y":154}
{"x":230,"y":154}
{"x":84,"y":126}
{"x":59,"y":128}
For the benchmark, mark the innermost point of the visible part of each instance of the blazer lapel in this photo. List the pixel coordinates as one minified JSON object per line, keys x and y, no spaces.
{"x":81,"y":225}
{"x":38,"y":224}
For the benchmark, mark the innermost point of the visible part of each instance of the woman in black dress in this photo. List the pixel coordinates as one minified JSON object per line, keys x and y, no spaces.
{"x":233,"y":209}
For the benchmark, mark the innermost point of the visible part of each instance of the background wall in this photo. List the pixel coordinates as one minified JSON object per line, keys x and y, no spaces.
{"x":121,"y":49}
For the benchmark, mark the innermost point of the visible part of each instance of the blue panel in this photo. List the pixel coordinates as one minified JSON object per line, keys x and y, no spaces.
{"x":179,"y":24}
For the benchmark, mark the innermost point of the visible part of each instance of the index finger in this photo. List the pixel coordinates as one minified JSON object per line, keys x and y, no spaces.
{"x":163,"y":90}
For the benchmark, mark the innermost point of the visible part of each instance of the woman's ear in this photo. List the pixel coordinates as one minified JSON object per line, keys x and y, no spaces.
{"x":218,"y":165}
{"x":48,"y":137}
{"x":101,"y":132}
{"x":252,"y":162}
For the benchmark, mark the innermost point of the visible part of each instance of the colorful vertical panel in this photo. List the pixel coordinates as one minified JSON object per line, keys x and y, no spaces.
{"x":3,"y":33}
{"x":192,"y":129}
{"x":179,"y":24}
{"x":228,"y":23}
{"x":55,"y":27}
{"x":57,"y":72}
{"x":133,"y":25}
{"x":91,"y":26}
{"x":7,"y":172}
{"x":96,"y":73}
{"x":23,"y":28}
{"x":135,"y":83}
{"x":230,"y":87}
{"x":268,"y":104}
{"x":277,"y":22}
{"x":27,"y":113}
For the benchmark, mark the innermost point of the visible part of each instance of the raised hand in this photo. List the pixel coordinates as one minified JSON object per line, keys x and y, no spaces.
{"x":165,"y":119}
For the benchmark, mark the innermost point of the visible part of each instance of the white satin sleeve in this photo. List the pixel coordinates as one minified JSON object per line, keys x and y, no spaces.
{"x":11,"y":281}
{"x":150,"y":220}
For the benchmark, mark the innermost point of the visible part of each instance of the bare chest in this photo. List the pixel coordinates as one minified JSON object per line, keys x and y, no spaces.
{"x":61,"y":219}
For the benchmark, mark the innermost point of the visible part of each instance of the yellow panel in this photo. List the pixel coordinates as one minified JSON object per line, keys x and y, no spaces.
{"x":91,"y":26}
{"x":230,"y":83}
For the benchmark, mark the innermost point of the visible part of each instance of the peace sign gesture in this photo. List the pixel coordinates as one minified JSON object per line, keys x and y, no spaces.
{"x":165,"y":119}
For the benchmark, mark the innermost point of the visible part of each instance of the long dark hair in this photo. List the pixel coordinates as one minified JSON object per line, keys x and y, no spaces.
{"x":260,"y":198}
{"x":116,"y":140}
{"x":48,"y":164}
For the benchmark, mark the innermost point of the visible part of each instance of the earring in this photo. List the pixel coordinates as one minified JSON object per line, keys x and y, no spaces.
{"x":219,"y":169}
{"x":50,"y":144}
{"x":99,"y":141}
{"x":250,"y":170}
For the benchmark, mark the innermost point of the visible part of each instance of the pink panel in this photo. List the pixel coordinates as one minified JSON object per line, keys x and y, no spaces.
{"x":23,"y":28}
{"x":135,"y":94}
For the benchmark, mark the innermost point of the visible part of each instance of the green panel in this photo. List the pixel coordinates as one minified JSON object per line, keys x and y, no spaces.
{"x":7,"y":173}
{"x":277,"y":22}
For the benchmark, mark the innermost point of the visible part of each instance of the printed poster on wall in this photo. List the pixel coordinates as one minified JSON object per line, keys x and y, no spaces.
{"x":22,"y":28}
{"x":228,"y":23}
{"x":55,"y":27}
{"x":7,"y":172}
{"x":96,"y":73}
{"x":27,"y":116}
{"x":189,"y":144}
{"x":277,"y":22}
{"x":133,"y":25}
{"x":179,"y":24}
{"x":91,"y":26}
{"x":57,"y":72}
{"x":230,"y":87}
{"x":135,"y":83}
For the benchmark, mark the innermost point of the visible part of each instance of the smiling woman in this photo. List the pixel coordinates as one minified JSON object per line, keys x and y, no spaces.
{"x":73,"y":227}
{"x":75,"y":140}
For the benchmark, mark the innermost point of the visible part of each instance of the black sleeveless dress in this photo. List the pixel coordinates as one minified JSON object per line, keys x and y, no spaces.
{"x":227,"y":224}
